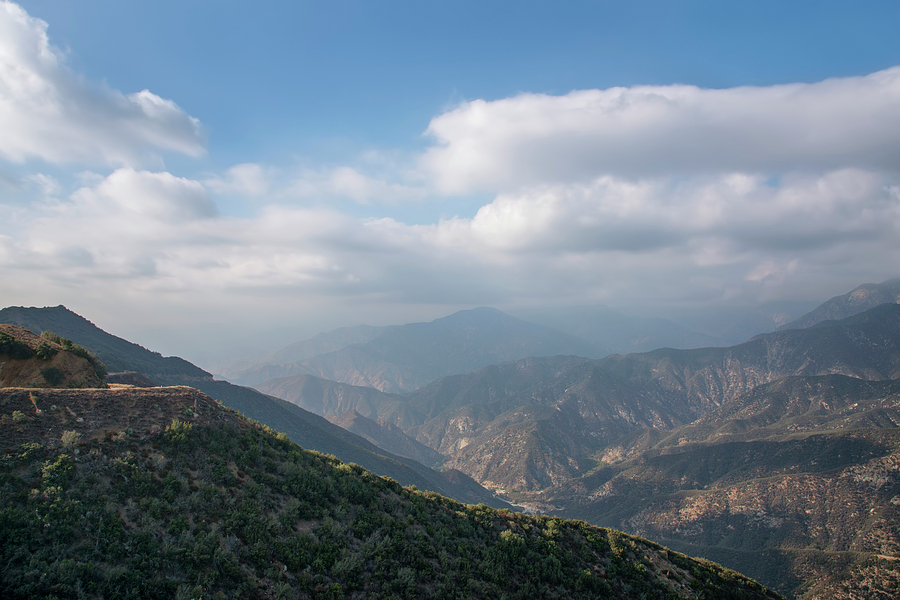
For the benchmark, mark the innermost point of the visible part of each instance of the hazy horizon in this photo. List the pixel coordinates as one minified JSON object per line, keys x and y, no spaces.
{"x":190,"y":174}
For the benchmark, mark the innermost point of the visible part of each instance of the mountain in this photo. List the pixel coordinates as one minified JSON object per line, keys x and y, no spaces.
{"x":779,"y":457}
{"x":613,"y":332}
{"x":537,"y":423}
{"x":322,"y":343}
{"x":164,"y":493}
{"x":117,"y":354}
{"x":796,"y":482}
{"x":407,"y":357}
{"x":866,"y":296}
{"x":303,"y":427}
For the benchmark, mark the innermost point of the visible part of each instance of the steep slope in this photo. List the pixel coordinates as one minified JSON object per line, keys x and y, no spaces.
{"x":387,"y":437}
{"x":796,"y":482}
{"x":117,"y":354}
{"x":407,"y":357}
{"x":866,"y":346}
{"x":538,"y":422}
{"x":127,"y":501}
{"x":314,"y":432}
{"x":304,"y":428}
{"x":866,"y":296}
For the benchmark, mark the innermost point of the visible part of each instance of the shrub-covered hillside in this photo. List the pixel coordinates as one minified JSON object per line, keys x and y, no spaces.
{"x":163,"y":493}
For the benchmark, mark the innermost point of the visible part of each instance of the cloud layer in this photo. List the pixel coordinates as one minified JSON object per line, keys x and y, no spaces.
{"x":48,"y":112}
{"x":649,"y":194}
{"x":667,"y":130}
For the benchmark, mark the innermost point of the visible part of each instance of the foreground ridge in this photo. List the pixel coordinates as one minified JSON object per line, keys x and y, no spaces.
{"x":162,"y":492}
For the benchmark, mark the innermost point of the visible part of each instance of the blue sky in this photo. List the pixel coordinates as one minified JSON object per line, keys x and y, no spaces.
{"x":173,"y":168}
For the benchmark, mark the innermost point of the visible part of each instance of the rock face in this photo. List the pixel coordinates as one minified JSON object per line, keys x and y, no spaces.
{"x":22,"y":366}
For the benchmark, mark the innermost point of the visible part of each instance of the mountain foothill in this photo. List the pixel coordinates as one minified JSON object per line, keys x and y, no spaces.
{"x":778,"y":457}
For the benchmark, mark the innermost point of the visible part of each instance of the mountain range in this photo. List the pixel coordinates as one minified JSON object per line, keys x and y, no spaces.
{"x":574,"y":436}
{"x":778,"y":456}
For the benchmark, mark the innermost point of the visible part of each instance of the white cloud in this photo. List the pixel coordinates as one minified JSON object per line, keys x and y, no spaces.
{"x":248,"y":179}
{"x":535,"y":139}
{"x":347,"y":182}
{"x":142,"y":194}
{"x":48,"y":112}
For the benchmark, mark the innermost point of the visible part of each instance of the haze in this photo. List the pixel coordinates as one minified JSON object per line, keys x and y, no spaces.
{"x":231,"y":175}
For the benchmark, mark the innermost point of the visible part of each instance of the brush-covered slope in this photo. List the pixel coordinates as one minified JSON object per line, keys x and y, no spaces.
{"x":302,"y":427}
{"x":117,"y":354}
{"x":864,"y":297}
{"x":114,"y":496}
{"x":315,"y":432}
{"x":407,"y":357}
{"x":27,"y":360}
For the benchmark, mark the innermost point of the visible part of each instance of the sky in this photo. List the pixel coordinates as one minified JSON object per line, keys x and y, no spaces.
{"x":211,"y":177}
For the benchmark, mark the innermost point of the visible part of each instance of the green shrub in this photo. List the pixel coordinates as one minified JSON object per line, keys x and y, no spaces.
{"x":45,"y":351}
{"x":18,"y":416}
{"x":13,"y":347}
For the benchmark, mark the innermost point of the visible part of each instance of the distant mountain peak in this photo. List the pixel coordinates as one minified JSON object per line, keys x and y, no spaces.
{"x":860,"y":299}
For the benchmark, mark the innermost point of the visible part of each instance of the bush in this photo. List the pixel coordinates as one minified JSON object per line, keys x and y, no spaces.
{"x":18,"y":416}
{"x":13,"y":347}
{"x":45,"y":351}
{"x":70,"y":438}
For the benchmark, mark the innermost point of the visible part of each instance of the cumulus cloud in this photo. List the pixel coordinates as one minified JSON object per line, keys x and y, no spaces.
{"x":50,"y":113}
{"x":656,"y":130}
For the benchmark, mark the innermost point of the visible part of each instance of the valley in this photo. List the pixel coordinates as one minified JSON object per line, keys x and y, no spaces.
{"x":778,"y":457}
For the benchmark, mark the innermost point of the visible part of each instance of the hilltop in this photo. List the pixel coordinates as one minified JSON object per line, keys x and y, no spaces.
{"x":163,"y":492}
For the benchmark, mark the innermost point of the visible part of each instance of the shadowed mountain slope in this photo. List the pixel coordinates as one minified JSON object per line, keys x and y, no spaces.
{"x":387,"y":437}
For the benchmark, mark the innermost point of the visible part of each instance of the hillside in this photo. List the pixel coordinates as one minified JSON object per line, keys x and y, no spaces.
{"x":164,"y":493}
{"x":301,"y":426}
{"x":796,"y":483}
{"x":117,"y":354}
{"x":406,"y":357}
{"x":27,"y":360}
